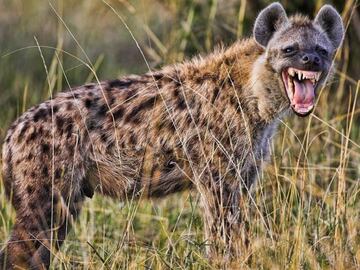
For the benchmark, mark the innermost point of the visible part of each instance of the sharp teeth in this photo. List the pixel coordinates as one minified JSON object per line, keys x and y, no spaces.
{"x":299,"y":75}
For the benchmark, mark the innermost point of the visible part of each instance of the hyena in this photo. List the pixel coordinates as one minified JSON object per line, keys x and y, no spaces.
{"x":203,"y":124}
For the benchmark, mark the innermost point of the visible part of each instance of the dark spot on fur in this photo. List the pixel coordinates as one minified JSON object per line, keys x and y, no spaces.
{"x":180,"y":104}
{"x":111,"y":100}
{"x":90,"y":124}
{"x":33,"y":175}
{"x":215,"y":95}
{"x":176,"y":92}
{"x":41,"y":114}
{"x":69,"y":106}
{"x":45,"y":148}
{"x":120,"y":83}
{"x":130,"y":95}
{"x":32,"y":205}
{"x":31,"y":137}
{"x":104,"y":137}
{"x":157,"y":76}
{"x":133,"y":139}
{"x":200,"y":79}
{"x":268,"y":90}
{"x":143,"y":106}
{"x":87,"y":189}
{"x":228,"y":61}
{"x":29,"y":189}
{"x":29,"y":156}
{"x":89,"y":86}
{"x":57,"y":173}
{"x":88,"y":103}
{"x":59,"y":122}
{"x":7,"y":140}
{"x":188,"y":119}
{"x":55,"y":109}
{"x":45,"y":171}
{"x":69,"y":129}
{"x":118,"y":113}
{"x":102,"y":110}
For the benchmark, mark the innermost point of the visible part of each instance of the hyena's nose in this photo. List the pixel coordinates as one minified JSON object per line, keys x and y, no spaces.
{"x":310,"y":59}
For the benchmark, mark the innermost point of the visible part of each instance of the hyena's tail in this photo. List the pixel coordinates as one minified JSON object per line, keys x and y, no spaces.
{"x":7,"y":170}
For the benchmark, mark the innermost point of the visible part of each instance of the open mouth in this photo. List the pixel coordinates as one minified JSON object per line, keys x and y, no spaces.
{"x":300,"y":87}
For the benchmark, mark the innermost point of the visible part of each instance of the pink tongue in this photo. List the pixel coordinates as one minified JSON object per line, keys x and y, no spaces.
{"x":304,"y":93}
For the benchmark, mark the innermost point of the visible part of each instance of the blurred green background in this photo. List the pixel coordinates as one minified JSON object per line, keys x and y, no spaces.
{"x":309,"y":196}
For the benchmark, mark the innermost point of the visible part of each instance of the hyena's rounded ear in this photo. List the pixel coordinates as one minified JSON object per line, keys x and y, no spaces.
{"x":330,"y":21}
{"x":268,"y":21}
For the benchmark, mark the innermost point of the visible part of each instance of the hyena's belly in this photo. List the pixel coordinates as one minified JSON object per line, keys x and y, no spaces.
{"x":133,"y":173}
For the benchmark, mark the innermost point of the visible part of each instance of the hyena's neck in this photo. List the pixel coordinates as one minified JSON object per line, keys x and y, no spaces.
{"x":242,"y":74}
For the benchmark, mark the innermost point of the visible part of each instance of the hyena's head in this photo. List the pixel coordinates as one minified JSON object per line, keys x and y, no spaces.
{"x":299,"y":51}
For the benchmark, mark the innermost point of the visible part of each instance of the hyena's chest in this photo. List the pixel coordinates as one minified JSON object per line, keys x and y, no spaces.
{"x":251,"y":155}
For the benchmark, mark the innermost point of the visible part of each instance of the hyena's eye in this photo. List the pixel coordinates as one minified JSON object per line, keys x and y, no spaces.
{"x":289,"y":50}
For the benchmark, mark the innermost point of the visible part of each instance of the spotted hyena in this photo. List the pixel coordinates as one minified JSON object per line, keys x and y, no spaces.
{"x":203,"y":124}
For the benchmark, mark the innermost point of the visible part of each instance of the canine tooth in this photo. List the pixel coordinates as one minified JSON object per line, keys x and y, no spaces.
{"x":291,"y":72}
{"x":299,"y":75}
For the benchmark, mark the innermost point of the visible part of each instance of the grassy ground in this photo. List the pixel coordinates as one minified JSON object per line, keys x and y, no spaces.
{"x":306,"y":213}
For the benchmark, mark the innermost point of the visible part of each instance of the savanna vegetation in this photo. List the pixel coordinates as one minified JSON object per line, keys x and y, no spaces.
{"x":306,"y":208}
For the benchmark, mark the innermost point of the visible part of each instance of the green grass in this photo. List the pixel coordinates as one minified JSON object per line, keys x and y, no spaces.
{"x":306,"y":213}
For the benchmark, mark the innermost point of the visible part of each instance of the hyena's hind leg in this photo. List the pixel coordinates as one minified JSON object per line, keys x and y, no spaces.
{"x":224,"y":214}
{"x":40,"y":228}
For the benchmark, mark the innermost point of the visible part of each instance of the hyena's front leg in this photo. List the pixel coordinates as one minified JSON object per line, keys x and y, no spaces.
{"x":224,"y":212}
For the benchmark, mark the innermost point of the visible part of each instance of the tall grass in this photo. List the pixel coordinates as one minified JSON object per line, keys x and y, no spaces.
{"x":308,"y":195}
